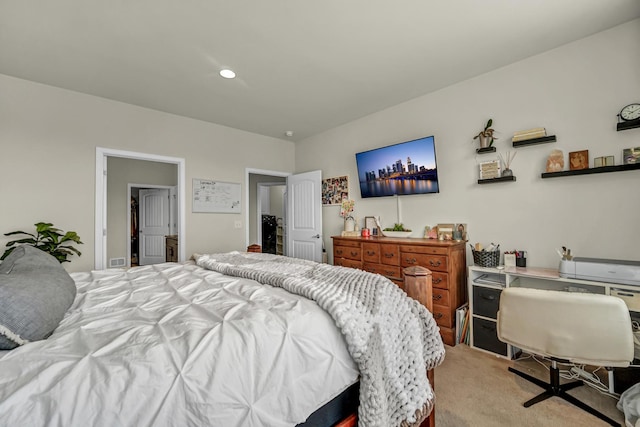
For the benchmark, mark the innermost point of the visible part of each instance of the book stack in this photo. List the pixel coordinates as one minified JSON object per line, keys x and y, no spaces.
{"x":462,"y":324}
{"x":524,"y":135}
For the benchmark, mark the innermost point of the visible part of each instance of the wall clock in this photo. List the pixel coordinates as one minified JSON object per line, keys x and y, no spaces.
{"x":630,"y":112}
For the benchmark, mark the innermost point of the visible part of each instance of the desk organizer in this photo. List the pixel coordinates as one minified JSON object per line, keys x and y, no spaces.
{"x":486,"y":258}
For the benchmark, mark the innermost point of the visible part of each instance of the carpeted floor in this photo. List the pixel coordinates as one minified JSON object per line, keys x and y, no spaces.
{"x":475,"y":389}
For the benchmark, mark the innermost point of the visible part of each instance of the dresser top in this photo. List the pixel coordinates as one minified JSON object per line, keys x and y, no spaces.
{"x":402,"y":240}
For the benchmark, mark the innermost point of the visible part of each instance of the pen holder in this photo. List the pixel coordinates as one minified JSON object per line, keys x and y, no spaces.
{"x":486,"y":258}
{"x":521,"y":259}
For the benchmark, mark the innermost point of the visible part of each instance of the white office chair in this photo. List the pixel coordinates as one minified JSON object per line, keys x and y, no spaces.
{"x":570,"y":327}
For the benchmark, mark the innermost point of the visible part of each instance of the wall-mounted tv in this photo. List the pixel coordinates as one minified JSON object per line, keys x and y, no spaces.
{"x":399,"y":169}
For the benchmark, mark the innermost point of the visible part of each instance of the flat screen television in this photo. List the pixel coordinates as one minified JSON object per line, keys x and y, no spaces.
{"x":400,"y":169}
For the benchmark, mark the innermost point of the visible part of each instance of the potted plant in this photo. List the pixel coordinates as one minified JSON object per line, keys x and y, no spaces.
{"x":49,"y":239}
{"x":486,"y":136}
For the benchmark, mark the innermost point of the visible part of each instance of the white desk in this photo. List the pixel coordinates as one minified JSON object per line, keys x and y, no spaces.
{"x":485,"y":285}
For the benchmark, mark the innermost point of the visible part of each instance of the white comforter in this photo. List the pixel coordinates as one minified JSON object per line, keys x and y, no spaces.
{"x":177,"y":345}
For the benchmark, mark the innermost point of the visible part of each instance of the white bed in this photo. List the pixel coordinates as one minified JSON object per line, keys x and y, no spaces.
{"x":177,"y":345}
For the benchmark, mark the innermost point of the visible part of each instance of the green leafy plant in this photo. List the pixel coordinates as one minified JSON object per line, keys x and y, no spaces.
{"x":49,"y":239}
{"x":396,"y":227}
{"x":487,"y":132}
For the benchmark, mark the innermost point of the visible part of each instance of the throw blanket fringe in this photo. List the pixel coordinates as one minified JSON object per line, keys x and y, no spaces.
{"x":392,"y":338}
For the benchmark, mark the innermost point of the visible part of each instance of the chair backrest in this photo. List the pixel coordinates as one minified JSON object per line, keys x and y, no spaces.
{"x":578,"y":327}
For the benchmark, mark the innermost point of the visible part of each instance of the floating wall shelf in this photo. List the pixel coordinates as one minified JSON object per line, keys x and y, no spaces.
{"x":628,"y":125}
{"x":492,"y":180}
{"x":603,"y":169}
{"x":533,"y":141}
{"x":486,"y":150}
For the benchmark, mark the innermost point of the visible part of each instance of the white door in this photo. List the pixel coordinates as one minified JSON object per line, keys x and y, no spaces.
{"x":304,"y":216}
{"x":154,"y":225}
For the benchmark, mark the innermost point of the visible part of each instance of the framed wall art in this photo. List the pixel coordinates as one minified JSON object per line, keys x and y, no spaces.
{"x":334,"y":190}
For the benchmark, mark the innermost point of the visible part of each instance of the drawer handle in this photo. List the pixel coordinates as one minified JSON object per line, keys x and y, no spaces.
{"x":388,"y":255}
{"x":438,"y":280}
{"x":371,"y":252}
{"x":438,"y":315}
{"x":389,"y":273}
{"x":354,"y":253}
{"x":339,"y":251}
{"x":434,"y":264}
{"x":411,"y":261}
{"x":437,"y":297}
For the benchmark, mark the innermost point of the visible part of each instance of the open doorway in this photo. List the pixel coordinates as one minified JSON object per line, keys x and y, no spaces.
{"x":152,"y":217}
{"x":116,"y":225}
{"x":266,"y":195}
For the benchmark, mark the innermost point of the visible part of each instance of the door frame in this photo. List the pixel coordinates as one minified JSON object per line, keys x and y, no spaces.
{"x":131,"y":186}
{"x":252,"y":171}
{"x":100,"y":259}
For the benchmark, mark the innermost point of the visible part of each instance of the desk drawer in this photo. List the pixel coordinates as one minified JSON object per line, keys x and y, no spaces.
{"x":486,"y":301}
{"x":485,"y":336}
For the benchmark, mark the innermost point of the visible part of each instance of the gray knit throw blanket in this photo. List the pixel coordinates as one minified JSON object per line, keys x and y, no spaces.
{"x":392,"y":338}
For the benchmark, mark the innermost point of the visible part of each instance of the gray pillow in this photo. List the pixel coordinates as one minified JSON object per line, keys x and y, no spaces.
{"x":35,"y":293}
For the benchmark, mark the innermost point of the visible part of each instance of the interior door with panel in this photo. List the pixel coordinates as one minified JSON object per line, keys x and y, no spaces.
{"x":153,"y":225}
{"x":304,"y":216}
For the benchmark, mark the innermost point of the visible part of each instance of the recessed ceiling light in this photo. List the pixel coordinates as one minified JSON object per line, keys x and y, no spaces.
{"x":289,"y":133}
{"x":227,"y":74}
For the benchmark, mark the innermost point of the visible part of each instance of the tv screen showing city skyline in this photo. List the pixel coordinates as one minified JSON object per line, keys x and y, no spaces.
{"x":400,"y":169}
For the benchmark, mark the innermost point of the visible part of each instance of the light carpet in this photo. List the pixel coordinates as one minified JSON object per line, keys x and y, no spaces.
{"x":475,"y":389}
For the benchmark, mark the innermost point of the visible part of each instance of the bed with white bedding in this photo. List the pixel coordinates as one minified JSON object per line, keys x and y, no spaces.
{"x":183,"y":345}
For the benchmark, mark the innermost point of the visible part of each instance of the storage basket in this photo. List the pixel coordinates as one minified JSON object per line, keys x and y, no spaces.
{"x":486,"y":258}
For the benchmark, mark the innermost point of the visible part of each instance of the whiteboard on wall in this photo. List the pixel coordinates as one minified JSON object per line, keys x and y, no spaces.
{"x":216,"y":196}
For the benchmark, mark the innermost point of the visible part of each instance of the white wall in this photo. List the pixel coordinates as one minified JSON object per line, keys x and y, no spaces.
{"x":48,"y":140}
{"x":575,"y":91}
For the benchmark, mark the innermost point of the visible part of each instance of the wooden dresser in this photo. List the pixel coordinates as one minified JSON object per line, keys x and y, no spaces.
{"x":388,"y":256}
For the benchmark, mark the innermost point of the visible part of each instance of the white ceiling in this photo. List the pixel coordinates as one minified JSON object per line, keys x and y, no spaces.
{"x":304,"y":66}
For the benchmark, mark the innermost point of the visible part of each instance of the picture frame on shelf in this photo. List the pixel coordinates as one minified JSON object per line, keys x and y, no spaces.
{"x":579,"y":160}
{"x":490,"y":169}
{"x":609,"y":161}
{"x":631,"y":156}
{"x":598,"y":162}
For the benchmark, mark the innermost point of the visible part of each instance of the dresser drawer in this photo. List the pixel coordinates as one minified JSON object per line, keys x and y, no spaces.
{"x":433,"y":250}
{"x":349,"y":252}
{"x":371,"y":252}
{"x":441,"y":297}
{"x":347,"y":263}
{"x":439,"y":280}
{"x":432,"y":262}
{"x":442,"y":314}
{"x":385,"y":270}
{"x":390,"y":254}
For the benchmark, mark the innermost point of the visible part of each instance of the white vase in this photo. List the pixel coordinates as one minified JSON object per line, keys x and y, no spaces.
{"x":349,"y":223}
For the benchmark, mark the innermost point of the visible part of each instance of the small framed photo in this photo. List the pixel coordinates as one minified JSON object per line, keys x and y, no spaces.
{"x":609,"y":161}
{"x":579,"y":160}
{"x":370,"y":223}
{"x":598,"y":162}
{"x":631,"y":156}
{"x":445,"y":231}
